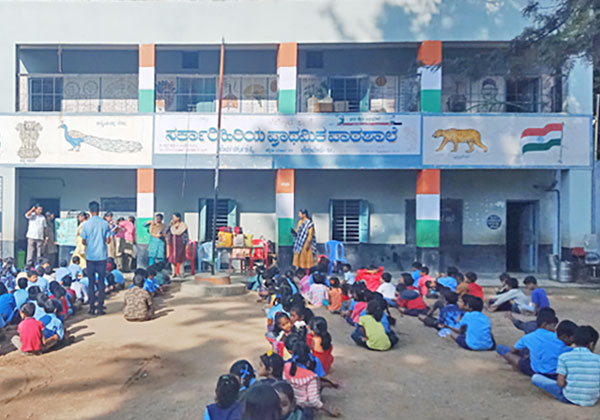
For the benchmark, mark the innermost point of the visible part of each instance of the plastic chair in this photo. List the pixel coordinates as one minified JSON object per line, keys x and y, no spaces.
{"x":259,"y":252}
{"x":335,"y":254}
{"x":205,"y":254}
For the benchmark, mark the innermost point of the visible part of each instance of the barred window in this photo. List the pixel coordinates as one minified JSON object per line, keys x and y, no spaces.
{"x":349,"y":220}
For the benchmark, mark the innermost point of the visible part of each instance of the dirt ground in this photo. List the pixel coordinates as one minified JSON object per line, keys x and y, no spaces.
{"x":167,"y":368}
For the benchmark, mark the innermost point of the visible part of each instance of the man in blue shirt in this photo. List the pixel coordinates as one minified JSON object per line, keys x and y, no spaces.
{"x":543,"y":346}
{"x":95,"y":234}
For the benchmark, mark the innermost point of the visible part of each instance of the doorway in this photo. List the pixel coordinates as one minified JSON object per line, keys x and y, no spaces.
{"x":49,"y":204}
{"x":522,"y":236}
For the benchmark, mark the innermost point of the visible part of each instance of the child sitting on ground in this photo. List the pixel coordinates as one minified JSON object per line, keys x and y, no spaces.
{"x":318,"y":292}
{"x":319,"y":341}
{"x":450,"y":314}
{"x":536,"y":352}
{"x":52,"y":324}
{"x":360,"y":299}
{"x":426,"y":284}
{"x":539,"y":299}
{"x":31,"y":338}
{"x":449,"y":279}
{"x":370,"y":332}
{"x":282,"y":327}
{"x":7,"y":305}
{"x":289,"y":410}
{"x":335,"y":296}
{"x":387,"y":289}
{"x":138,"y":302}
{"x":243,"y":370}
{"x":410,"y":307}
{"x":299,"y":372}
{"x":227,"y":406}
{"x":371,"y":277}
{"x":76,"y":270}
{"x":62,"y":271}
{"x":470,"y":286}
{"x":475,"y":328}
{"x":21,"y":294}
{"x":512,"y":300}
{"x":416,"y":273}
{"x":349,"y":277}
{"x":270,"y":366}
{"x":578,"y":372}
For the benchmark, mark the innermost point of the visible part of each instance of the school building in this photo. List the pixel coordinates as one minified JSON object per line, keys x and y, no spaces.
{"x":353,"y":110}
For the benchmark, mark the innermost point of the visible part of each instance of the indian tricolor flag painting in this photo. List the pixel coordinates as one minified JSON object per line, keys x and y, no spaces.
{"x":541,"y":139}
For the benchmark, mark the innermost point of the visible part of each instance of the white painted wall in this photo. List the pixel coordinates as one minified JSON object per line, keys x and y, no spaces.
{"x":386,"y":191}
{"x":486,"y":192}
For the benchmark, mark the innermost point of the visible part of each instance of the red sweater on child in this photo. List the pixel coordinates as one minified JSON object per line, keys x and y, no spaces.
{"x":417,"y":303}
{"x":372,"y":279}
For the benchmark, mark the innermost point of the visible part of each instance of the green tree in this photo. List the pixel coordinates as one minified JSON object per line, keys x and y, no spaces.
{"x":561,"y":31}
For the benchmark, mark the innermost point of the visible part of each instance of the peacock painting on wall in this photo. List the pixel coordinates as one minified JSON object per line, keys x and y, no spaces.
{"x":77,"y":138}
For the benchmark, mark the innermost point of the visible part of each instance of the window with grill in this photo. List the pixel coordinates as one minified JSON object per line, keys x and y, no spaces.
{"x":522,"y":95}
{"x":45,"y":94}
{"x":226,"y":216}
{"x":196,"y":94}
{"x":351,"y":93}
{"x":349,"y":221}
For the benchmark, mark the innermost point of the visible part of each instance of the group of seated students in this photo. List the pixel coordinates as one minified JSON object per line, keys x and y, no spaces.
{"x":39,"y":299}
{"x":558,"y":356}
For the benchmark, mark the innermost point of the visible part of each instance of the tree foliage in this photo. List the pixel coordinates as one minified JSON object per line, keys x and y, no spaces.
{"x":561,"y":31}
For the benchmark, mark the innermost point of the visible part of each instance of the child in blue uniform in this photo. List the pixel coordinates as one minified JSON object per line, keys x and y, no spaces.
{"x":227,"y":406}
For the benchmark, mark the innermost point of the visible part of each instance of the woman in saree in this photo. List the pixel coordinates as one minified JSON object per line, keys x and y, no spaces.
{"x":305,"y":244}
{"x":177,"y":241}
{"x":79,"y":246}
{"x":156,"y":248}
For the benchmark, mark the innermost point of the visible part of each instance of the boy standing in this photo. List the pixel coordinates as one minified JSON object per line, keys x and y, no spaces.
{"x":539,"y":299}
{"x":578,"y":372}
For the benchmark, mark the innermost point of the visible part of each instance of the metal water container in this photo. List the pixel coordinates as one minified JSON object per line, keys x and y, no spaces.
{"x":566,"y":272}
{"x":553,"y":267}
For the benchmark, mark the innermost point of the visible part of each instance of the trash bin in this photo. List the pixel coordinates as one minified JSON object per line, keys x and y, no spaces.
{"x":553,"y":267}
{"x":21,"y":254}
{"x":566,"y":272}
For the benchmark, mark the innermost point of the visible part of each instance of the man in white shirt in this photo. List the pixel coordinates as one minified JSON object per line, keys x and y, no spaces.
{"x":35,"y":233}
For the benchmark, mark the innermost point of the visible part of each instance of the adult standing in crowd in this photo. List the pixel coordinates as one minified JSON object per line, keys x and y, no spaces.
{"x":126,"y":245}
{"x":95,"y":235}
{"x":177,"y":241}
{"x":156,"y":248}
{"x":305,"y":244}
{"x":79,"y":245}
{"x":50,"y":244}
{"x":111,"y":249}
{"x":35,"y":233}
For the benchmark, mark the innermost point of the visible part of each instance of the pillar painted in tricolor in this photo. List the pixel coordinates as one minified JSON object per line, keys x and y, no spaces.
{"x":284,"y":206}
{"x":428,"y":208}
{"x":145,"y":203}
{"x":287,"y":72}
{"x":430,"y":59}
{"x":146,"y":74}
